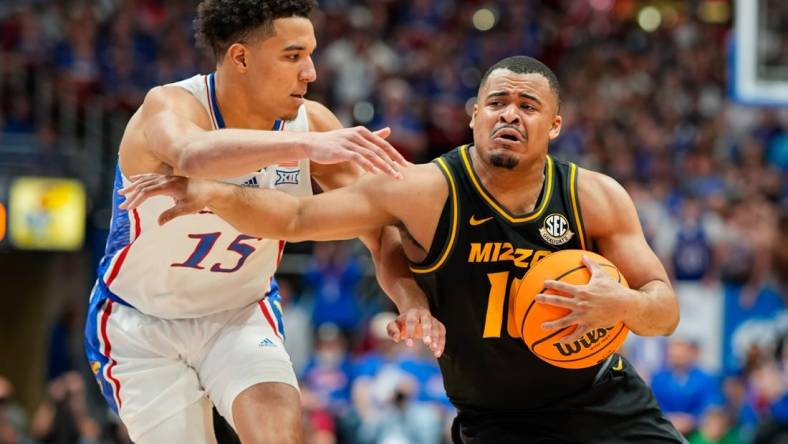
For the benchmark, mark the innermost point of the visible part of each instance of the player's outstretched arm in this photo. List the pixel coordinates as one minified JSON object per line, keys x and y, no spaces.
{"x":176,"y":132}
{"x":649,"y":307}
{"x":339,"y":214}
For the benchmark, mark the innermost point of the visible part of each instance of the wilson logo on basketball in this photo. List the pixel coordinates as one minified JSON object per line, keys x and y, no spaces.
{"x":584,"y":343}
{"x":555,"y":229}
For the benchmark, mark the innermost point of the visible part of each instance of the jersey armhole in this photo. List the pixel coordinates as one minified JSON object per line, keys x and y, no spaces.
{"x":446,"y":228}
{"x":576,"y":210}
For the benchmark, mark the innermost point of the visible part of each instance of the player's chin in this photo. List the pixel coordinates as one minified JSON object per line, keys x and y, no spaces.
{"x":504,"y":158}
{"x":289,"y":112}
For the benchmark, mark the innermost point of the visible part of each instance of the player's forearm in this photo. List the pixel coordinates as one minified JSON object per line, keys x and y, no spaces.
{"x":255,"y":212}
{"x":653,"y":310}
{"x":234,"y":152}
{"x":392,"y":271}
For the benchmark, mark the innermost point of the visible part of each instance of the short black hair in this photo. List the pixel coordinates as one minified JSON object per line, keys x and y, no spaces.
{"x":526,"y":65}
{"x":220,"y":23}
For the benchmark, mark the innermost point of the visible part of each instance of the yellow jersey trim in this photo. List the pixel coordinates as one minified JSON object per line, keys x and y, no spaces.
{"x":503,"y":212}
{"x":575,"y":209}
{"x":454,"y":217}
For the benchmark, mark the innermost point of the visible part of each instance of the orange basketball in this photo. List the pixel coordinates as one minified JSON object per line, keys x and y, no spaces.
{"x":595,"y":346}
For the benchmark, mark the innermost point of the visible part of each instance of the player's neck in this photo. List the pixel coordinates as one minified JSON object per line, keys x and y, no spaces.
{"x":237,"y":106}
{"x":517,"y":189}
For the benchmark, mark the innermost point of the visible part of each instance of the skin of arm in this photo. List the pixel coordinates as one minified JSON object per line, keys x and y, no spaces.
{"x":649,"y":307}
{"x":384,"y":244}
{"x":171,"y":133}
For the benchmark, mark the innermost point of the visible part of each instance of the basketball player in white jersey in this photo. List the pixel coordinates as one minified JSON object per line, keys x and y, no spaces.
{"x":187,"y":315}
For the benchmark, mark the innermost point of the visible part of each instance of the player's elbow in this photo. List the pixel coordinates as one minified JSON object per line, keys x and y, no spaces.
{"x":673,"y":320}
{"x":190,"y":162}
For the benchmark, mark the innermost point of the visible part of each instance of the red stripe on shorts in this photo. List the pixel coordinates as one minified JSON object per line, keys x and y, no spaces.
{"x":269,"y":318}
{"x":108,"y":349}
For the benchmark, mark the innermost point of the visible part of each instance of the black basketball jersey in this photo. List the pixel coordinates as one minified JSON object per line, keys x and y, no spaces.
{"x":477,"y":258}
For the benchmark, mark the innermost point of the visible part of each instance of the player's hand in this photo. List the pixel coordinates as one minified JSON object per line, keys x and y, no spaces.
{"x":600,"y":303}
{"x":190,"y":195}
{"x":415,"y":323}
{"x":359,"y":145}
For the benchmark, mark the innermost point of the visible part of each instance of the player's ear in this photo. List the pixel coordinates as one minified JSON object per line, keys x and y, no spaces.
{"x":555,"y":129}
{"x":236,"y":55}
{"x":473,"y":115}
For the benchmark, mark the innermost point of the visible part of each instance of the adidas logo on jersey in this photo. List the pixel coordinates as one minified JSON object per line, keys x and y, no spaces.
{"x":265,"y":342}
{"x":251,"y":182}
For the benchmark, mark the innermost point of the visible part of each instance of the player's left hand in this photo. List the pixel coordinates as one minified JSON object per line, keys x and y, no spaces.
{"x":598,"y":304}
{"x":415,"y":323}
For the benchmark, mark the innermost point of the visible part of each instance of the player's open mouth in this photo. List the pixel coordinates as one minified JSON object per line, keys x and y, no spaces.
{"x":508,"y":135}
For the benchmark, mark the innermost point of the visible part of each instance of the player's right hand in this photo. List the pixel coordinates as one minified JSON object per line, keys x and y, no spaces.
{"x":417,"y":323}
{"x":190,"y":195}
{"x":368,"y":149}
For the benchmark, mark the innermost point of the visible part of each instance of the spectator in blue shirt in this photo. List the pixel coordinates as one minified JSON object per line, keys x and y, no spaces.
{"x":684,"y":391}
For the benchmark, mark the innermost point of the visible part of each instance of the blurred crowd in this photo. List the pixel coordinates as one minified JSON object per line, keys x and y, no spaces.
{"x":708,"y":176}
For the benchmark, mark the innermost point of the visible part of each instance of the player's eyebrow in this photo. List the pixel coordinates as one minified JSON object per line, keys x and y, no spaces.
{"x":294,"y":47}
{"x":522,"y":94}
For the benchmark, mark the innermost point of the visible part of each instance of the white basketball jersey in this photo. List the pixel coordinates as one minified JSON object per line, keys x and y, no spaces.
{"x":197,"y":264}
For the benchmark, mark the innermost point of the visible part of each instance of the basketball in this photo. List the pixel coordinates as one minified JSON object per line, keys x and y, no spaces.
{"x":565,"y":266}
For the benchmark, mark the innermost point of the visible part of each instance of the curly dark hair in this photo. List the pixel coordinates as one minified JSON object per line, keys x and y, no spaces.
{"x":220,"y":23}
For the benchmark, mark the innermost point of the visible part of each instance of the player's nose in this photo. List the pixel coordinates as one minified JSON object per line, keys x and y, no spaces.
{"x":509,"y":115}
{"x":308,"y":72}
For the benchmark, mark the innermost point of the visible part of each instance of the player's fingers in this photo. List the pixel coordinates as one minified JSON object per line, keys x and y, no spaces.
{"x":142,"y":181}
{"x":138,"y":177}
{"x":438,"y":337}
{"x":393,"y":330}
{"x":441,"y":339}
{"x":363,"y":162}
{"x":172,"y":213}
{"x":147,"y":189}
{"x":558,"y":324}
{"x":136,"y":196}
{"x":558,"y":301}
{"x":410,"y":328}
{"x":592,"y":265}
{"x":562,"y":287}
{"x":395,"y":155}
{"x":381,"y":147}
{"x":579,"y":332}
{"x":377,"y":156}
{"x":383,"y":132}
{"x":425,"y":319}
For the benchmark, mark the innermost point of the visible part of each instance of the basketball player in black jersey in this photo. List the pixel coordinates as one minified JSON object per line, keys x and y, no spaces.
{"x":475,"y":220}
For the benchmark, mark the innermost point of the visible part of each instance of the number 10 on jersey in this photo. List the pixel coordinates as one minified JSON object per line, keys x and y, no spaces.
{"x":496,"y":300}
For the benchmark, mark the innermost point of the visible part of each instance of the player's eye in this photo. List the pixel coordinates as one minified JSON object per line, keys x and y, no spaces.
{"x":293,"y":57}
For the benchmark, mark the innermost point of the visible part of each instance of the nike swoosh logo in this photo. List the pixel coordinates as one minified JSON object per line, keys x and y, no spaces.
{"x":619,"y":365}
{"x":475,"y":221}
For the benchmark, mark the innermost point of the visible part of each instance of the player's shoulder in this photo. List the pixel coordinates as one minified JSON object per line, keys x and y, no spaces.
{"x":164,"y":96}
{"x":175,"y":100}
{"x":598,"y":186}
{"x":320,"y":117}
{"x":603,"y":200}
